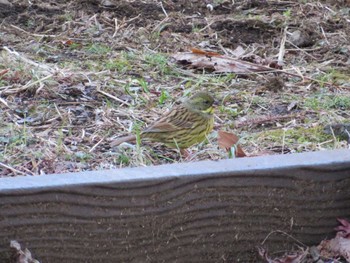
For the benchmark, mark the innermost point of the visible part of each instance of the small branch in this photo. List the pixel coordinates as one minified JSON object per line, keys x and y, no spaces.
{"x":282,"y":48}
{"x":161,"y":5}
{"x":11,"y":169}
{"x":116,"y":27}
{"x":28,"y":61}
{"x":324,"y":35}
{"x":267,"y":119}
{"x":25,"y":87}
{"x":112,"y":97}
{"x":28,"y":33}
{"x":97,"y":144}
{"x":4,"y":102}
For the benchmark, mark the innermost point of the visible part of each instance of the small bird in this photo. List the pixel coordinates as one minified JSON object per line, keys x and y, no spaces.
{"x":183,"y":126}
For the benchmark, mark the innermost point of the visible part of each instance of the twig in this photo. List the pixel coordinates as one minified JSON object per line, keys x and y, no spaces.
{"x":32,"y":34}
{"x":161,"y":5}
{"x":267,"y":119}
{"x":324,"y":35}
{"x":4,"y":102}
{"x":5,"y":87}
{"x":28,"y":85}
{"x":284,"y":233}
{"x":302,"y":50}
{"x":292,"y":74}
{"x":160,"y":24}
{"x":97,"y":24}
{"x":40,"y":88}
{"x":207,"y":26}
{"x":11,"y":168}
{"x":132,"y":19}
{"x":223,"y":49}
{"x":299,"y":72}
{"x":25,"y":87}
{"x":93,"y":147}
{"x":326,"y":7}
{"x":28,"y":61}
{"x":58,"y":111}
{"x":282,"y":48}
{"x":112,"y":97}
{"x":116,"y":27}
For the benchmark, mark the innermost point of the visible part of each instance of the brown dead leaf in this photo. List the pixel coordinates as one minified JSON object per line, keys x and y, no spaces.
{"x":344,"y":227}
{"x":4,"y":72}
{"x":69,"y":42}
{"x":338,"y":246}
{"x":218,"y":63}
{"x":227,"y":140}
{"x":205,"y":53}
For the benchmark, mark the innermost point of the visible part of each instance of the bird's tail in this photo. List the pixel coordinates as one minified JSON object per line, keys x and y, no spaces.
{"x":130,"y":138}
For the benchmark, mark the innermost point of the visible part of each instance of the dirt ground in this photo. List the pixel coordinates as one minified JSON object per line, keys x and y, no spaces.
{"x":74,"y":75}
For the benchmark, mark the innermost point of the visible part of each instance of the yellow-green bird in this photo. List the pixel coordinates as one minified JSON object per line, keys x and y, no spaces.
{"x":183,"y":126}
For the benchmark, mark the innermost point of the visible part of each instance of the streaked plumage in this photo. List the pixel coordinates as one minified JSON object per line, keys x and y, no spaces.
{"x":183,"y":126}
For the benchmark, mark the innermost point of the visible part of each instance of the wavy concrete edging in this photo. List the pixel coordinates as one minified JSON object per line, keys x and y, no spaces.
{"x":208,"y":211}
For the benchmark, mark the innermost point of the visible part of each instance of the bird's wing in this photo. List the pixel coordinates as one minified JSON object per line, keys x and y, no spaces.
{"x":170,"y":122}
{"x":162,"y":127}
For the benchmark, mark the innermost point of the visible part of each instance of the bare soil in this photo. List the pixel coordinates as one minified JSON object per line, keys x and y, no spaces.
{"x":74,"y":75}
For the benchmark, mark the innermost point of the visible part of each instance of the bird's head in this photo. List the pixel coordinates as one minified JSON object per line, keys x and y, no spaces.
{"x":201,"y":101}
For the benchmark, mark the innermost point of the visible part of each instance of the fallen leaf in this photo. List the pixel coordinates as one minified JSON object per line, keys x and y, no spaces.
{"x":338,"y":246}
{"x":344,"y":228}
{"x":69,"y":42}
{"x":335,"y":247}
{"x":228,"y":140}
{"x":205,"y":53}
{"x":4,"y":72}
{"x":19,"y":255}
{"x":218,"y":63}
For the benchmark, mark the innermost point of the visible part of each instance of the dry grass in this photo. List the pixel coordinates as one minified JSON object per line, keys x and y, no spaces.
{"x":72,"y":81}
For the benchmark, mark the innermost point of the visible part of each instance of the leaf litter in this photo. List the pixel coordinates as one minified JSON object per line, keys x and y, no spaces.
{"x":73,"y":81}
{"x":335,"y":250}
